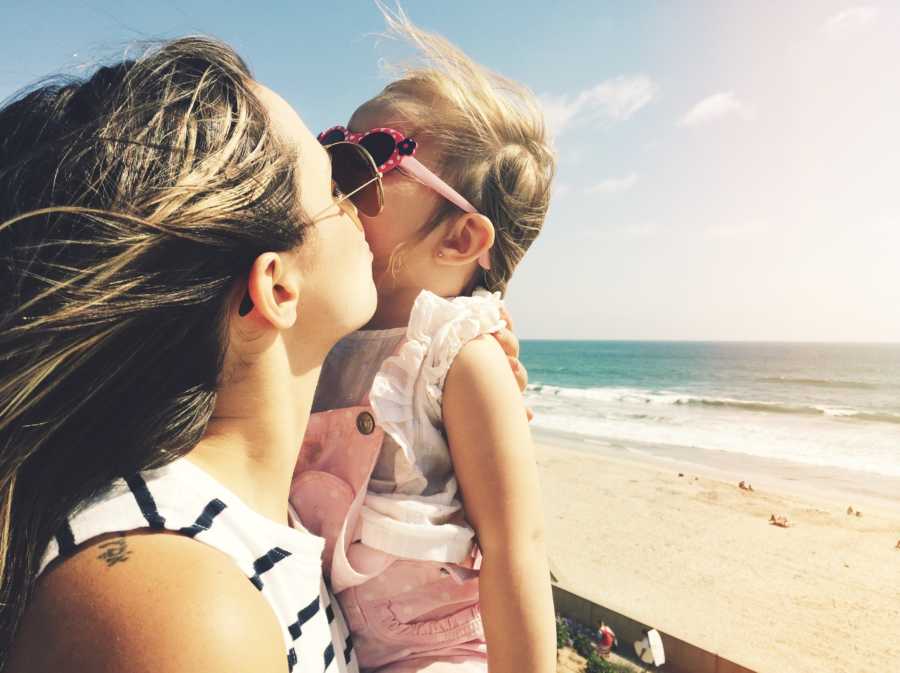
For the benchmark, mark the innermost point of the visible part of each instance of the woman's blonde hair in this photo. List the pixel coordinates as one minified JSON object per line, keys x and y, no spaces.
{"x":132,"y":202}
{"x":494,"y":146}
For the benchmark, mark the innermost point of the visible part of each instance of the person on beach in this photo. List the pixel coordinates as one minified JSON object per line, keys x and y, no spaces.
{"x":175,"y":264}
{"x":417,"y":412}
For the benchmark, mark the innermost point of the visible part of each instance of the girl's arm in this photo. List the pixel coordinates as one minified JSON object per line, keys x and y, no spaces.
{"x":487,"y":430}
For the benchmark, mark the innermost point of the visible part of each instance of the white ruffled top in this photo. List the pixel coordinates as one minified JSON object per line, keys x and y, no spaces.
{"x":412,"y":509}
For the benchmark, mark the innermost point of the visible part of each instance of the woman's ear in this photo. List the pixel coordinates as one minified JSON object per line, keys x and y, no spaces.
{"x":468,"y":239}
{"x":273,"y":291}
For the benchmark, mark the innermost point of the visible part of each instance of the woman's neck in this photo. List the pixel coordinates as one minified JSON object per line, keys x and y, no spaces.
{"x":253,"y":438}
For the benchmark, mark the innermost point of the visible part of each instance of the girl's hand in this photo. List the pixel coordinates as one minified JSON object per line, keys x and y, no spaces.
{"x":509,"y":342}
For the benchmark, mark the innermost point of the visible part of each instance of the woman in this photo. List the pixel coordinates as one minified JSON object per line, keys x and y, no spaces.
{"x":175,"y":269}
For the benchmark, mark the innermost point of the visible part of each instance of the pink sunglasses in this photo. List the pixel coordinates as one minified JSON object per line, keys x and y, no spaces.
{"x":391,"y":149}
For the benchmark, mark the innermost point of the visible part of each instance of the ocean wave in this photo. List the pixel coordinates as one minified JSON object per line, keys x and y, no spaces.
{"x":878,"y":418}
{"x":835,"y":445}
{"x":819,"y":383}
{"x":634,"y":396}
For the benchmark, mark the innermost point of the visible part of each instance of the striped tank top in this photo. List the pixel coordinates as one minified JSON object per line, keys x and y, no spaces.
{"x":282,"y":562}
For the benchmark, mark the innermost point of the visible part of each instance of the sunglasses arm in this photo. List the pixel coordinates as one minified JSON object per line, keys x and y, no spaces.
{"x":412,"y":166}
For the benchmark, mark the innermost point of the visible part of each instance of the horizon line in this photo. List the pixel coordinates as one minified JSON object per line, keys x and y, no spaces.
{"x":709,"y":341}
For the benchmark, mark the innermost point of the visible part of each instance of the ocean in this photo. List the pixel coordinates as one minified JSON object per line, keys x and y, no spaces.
{"x":830,"y":405}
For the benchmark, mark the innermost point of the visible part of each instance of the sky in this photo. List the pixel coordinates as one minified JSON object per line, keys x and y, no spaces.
{"x":726,"y":170}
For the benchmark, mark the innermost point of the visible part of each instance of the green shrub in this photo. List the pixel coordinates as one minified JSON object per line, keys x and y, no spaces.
{"x":583,"y":645}
{"x":596,"y":664}
{"x":563,"y":634}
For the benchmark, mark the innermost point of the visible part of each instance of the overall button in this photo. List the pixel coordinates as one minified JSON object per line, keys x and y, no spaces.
{"x":365,"y":423}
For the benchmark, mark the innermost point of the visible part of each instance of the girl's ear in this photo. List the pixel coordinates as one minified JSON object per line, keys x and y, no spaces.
{"x":273,"y":288}
{"x":468,"y":239}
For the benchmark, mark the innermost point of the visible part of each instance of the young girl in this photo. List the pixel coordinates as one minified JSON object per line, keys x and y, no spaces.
{"x":419,"y":412}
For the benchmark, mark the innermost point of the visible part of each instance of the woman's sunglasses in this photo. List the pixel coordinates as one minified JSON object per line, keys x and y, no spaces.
{"x":388,"y":149}
{"x":356,"y":176}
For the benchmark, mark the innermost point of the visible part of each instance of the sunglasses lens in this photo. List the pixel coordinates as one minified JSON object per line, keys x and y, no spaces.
{"x":351,"y":168}
{"x":380,"y":145}
{"x":331,"y":137}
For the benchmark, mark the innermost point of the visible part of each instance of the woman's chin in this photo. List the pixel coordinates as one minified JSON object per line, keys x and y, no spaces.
{"x":373,"y":305}
{"x":366,"y":313}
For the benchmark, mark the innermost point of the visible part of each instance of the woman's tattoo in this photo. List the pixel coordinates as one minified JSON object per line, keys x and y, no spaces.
{"x":114,"y":551}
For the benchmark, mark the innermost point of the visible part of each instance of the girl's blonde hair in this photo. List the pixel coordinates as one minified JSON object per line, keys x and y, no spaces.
{"x":494,"y":146}
{"x":132,"y":201}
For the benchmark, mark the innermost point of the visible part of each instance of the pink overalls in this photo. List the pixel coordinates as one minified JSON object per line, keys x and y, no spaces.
{"x":404,"y":615}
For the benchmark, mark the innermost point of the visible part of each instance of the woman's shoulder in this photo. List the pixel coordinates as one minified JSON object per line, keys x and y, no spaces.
{"x":168,"y":558}
{"x":182,"y":498}
{"x":147,"y":601}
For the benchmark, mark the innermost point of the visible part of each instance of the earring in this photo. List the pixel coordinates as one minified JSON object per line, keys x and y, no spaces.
{"x":246,"y":305}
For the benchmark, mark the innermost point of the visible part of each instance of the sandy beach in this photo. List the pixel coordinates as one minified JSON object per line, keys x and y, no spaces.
{"x":696,"y":556}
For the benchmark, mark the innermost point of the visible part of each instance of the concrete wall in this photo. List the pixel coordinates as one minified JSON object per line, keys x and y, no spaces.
{"x":681,"y":657}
